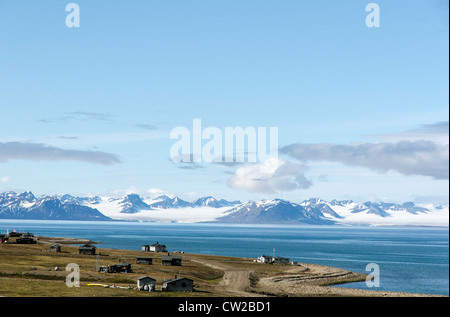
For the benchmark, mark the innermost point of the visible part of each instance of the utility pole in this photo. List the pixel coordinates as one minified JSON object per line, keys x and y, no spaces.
{"x":98,"y":257}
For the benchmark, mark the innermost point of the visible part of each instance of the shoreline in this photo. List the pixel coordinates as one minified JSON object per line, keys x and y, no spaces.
{"x":337,"y":224}
{"x":213,"y":275}
{"x":62,"y":240}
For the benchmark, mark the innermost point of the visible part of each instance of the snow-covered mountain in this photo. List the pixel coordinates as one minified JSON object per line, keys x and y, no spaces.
{"x":319,"y":205}
{"x":209,"y":209}
{"x":132,"y":204}
{"x":161,"y":208}
{"x":274,"y":211}
{"x":166,"y":202}
{"x":27,"y":206}
{"x":212,"y":202}
{"x":383,"y":213}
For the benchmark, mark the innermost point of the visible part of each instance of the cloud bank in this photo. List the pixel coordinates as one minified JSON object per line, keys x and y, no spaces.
{"x":420,"y":157}
{"x":437,"y":132}
{"x":79,"y":116}
{"x":41,"y":152}
{"x":423,"y":151}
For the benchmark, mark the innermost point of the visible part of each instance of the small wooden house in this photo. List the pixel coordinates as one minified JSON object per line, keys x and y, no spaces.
{"x":146,"y":283}
{"x":120,"y":267}
{"x":156,"y":247}
{"x":55,"y":248}
{"x":87,"y":249}
{"x":280,"y":260}
{"x":148,"y":261}
{"x":26,"y":240}
{"x":180,"y":284}
{"x":171,"y":260}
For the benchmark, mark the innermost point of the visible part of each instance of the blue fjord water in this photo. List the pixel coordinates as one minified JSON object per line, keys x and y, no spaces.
{"x":410,"y":259}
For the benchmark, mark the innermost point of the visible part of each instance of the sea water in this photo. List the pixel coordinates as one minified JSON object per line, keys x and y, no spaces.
{"x":410,"y":259}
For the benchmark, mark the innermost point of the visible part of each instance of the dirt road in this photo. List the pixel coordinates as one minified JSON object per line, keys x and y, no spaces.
{"x":235,"y":282}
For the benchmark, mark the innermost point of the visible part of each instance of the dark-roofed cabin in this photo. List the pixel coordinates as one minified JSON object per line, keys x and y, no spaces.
{"x":87,"y":249}
{"x":280,"y":260}
{"x":55,"y":248}
{"x":148,"y":261}
{"x":171,"y":260}
{"x":120,"y":267}
{"x":180,"y":284}
{"x":26,"y":240}
{"x":156,"y":247}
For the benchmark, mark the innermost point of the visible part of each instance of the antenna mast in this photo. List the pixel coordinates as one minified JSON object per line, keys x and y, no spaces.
{"x":98,"y":257}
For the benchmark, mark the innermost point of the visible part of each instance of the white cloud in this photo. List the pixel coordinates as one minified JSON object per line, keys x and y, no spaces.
{"x":41,"y":152}
{"x":270,"y":176}
{"x":4,"y":179}
{"x":437,"y":132}
{"x":156,"y":192}
{"x":144,"y":193}
{"x":407,"y":157}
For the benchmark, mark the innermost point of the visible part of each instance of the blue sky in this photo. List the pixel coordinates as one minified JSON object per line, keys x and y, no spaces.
{"x":89,"y":110}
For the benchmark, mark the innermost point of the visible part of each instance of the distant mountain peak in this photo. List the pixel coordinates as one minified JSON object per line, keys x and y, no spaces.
{"x":346,"y":202}
{"x":163,"y":197}
{"x":273,"y":211}
{"x":133,"y":203}
{"x":27,"y":196}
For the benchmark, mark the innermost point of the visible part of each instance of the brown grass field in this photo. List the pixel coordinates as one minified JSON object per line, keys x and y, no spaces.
{"x":29,"y":271}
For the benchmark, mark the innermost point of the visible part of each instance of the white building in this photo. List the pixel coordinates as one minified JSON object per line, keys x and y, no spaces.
{"x":154,"y":247}
{"x":264,"y":259}
{"x":146,"y":283}
{"x":272,"y":259}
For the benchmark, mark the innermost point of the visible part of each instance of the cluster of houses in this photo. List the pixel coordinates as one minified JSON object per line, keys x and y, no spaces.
{"x":146,"y":283}
{"x":177,"y":284}
{"x":18,"y":238}
{"x":168,"y":259}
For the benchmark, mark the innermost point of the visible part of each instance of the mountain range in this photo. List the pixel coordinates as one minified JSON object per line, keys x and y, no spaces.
{"x":27,"y":206}
{"x":133,"y":207}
